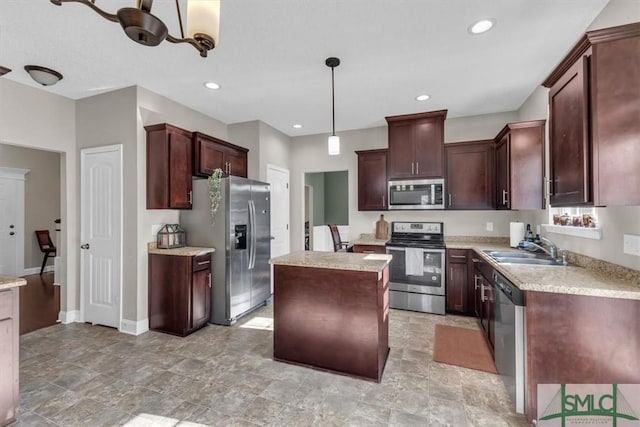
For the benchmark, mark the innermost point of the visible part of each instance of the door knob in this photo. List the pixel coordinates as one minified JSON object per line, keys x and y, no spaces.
{"x":11,"y":226}
{"x":12,"y":233}
{"x":85,"y":246}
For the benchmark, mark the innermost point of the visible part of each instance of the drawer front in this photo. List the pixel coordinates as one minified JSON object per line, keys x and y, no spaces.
{"x":457,"y":255}
{"x":369,"y":249}
{"x":6,"y":304}
{"x":202,"y":262}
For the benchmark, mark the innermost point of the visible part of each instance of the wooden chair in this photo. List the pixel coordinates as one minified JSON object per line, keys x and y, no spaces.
{"x":46,"y":246}
{"x":338,"y":244}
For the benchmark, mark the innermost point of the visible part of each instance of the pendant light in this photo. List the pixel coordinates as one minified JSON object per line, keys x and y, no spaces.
{"x":334,"y":140}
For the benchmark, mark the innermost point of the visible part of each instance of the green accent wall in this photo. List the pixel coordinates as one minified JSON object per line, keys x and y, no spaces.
{"x":330,"y":197}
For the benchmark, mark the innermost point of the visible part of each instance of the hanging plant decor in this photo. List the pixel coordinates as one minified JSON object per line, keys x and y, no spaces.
{"x":214,"y":182}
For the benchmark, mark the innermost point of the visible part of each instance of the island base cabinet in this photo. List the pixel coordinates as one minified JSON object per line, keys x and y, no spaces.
{"x":577,"y":339}
{"x":9,"y":342}
{"x":334,"y":320}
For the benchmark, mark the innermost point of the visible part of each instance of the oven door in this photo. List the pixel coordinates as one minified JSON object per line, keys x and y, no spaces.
{"x":430,"y":282}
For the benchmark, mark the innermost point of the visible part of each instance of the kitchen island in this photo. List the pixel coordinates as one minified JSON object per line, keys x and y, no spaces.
{"x":9,"y":343}
{"x":331,"y":311}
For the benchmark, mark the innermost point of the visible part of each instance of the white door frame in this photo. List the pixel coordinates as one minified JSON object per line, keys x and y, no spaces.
{"x":83,"y":285}
{"x":19,"y":175}
{"x":281,"y":170}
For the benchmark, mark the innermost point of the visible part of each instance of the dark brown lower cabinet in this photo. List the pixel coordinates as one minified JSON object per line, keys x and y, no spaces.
{"x":179,"y":293}
{"x":369,"y":249}
{"x":577,"y":339}
{"x":457,"y":278}
{"x":484,"y":298}
{"x":9,"y":342}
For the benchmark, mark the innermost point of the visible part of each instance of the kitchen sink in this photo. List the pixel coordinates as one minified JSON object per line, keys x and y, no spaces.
{"x":522,"y":258}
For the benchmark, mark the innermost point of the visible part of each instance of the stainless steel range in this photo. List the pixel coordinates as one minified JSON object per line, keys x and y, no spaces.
{"x":417,"y":270}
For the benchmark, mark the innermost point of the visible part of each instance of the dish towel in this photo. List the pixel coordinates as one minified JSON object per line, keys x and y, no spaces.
{"x":413,"y":262}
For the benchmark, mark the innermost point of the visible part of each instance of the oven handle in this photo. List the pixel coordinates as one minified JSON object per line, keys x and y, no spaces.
{"x":400,"y":249}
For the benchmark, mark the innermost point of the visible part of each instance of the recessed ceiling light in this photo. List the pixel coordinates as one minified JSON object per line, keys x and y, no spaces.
{"x":297,"y":126}
{"x":422,"y":97}
{"x":212,"y":85}
{"x":482,"y":26}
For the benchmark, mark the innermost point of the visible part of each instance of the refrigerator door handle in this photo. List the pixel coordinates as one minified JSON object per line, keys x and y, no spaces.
{"x":252,"y":235}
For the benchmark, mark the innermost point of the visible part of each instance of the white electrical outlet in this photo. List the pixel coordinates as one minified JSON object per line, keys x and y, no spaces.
{"x":631,"y":244}
{"x":489,"y":226}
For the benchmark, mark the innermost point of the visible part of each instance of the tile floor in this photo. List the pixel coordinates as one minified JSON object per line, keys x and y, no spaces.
{"x":83,"y":375}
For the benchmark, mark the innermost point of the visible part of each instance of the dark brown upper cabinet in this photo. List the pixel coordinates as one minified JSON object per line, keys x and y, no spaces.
{"x":372,"y":180}
{"x":594,"y":106}
{"x":470,"y":174}
{"x":520,"y":166}
{"x":416,"y":145}
{"x":212,"y":153}
{"x":169,"y":159}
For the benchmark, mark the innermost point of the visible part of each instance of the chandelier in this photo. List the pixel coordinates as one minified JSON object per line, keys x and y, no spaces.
{"x":203,"y":23}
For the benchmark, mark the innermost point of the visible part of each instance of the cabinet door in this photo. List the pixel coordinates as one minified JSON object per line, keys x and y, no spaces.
{"x":180,"y":171}
{"x":401,"y":150}
{"x":526,"y":166}
{"x":616,"y":121}
{"x":236,"y":162}
{"x":570,"y":155}
{"x":457,"y":281}
{"x":372,"y":180}
{"x":429,"y":148}
{"x":502,"y":173}
{"x":207,"y":157}
{"x":470,"y":183}
{"x":200,"y":298}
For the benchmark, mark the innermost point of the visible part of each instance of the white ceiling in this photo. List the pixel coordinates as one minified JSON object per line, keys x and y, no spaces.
{"x":270,"y":58}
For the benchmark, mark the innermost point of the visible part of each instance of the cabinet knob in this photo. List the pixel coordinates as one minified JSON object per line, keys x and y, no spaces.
{"x":209,"y":279}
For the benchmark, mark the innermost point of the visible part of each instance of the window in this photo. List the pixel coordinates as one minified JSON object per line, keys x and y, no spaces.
{"x":574,"y":221}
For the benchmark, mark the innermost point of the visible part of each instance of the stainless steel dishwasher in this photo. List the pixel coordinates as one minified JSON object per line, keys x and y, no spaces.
{"x":509,"y":338}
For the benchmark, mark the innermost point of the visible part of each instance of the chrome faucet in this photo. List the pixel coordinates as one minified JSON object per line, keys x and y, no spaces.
{"x":552,"y":251}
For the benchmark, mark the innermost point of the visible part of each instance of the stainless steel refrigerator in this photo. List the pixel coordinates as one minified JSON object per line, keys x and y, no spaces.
{"x":241,"y":237}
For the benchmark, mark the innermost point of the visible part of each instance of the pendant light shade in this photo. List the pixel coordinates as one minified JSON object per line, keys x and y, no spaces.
{"x":334,"y":145}
{"x":334,"y":141}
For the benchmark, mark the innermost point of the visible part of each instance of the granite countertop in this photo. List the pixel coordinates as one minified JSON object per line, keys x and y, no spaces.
{"x":370,"y":239}
{"x":334,"y":260}
{"x":608,"y":280}
{"x":184,"y":251}
{"x":8,"y":282}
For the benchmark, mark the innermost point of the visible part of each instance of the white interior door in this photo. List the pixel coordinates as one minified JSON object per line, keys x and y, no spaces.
{"x":279,"y":180}
{"x":101,"y":234}
{"x":12,"y":234}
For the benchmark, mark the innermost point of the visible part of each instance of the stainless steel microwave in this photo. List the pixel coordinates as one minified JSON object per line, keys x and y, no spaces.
{"x":416,"y":194}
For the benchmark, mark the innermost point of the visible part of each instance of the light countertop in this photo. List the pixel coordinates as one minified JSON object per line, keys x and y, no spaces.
{"x":184,"y":251}
{"x":369,"y":239}
{"x":608,"y":280}
{"x":8,"y":282}
{"x":334,"y":260}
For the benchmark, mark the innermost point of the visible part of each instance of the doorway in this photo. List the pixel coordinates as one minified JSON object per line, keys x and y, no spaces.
{"x":326,"y":202}
{"x":101,"y":234}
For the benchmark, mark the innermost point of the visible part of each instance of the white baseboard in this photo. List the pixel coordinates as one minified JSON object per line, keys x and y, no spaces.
{"x":36,"y":270}
{"x":67,"y":317}
{"x":133,"y":327}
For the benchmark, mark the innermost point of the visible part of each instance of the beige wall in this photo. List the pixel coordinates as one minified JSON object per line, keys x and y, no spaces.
{"x":42,"y":195}
{"x":615,"y":221}
{"x":38,"y":119}
{"x":109,"y":119}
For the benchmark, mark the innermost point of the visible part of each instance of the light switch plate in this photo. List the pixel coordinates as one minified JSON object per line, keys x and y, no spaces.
{"x":631,"y":244}
{"x":489,"y":226}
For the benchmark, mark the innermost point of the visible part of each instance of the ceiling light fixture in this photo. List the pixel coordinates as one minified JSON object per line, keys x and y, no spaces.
{"x":482,"y":26}
{"x":422,"y":97}
{"x":44,"y":76}
{"x":203,"y":23}
{"x":211,"y":85}
{"x":333,"y":141}
{"x":297,"y":126}
{"x":4,"y":70}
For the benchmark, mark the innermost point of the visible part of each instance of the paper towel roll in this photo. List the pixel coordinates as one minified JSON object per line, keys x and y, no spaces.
{"x":516,"y":233}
